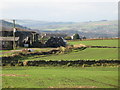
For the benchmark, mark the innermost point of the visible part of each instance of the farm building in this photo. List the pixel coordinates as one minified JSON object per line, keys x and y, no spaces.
{"x":55,"y":42}
{"x":7,"y":42}
{"x":29,"y":38}
{"x":26,"y":37}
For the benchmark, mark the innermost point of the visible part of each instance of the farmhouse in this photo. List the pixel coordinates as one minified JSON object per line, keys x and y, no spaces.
{"x":26,"y":37}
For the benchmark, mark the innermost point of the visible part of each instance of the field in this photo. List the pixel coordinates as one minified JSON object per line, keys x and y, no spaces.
{"x":66,"y":76}
{"x":60,"y":77}
{"x":87,"y":54}
{"x":96,"y":42}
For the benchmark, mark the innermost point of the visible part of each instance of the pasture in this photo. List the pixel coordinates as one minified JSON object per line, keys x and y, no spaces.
{"x":87,"y":54}
{"x":110,"y":42}
{"x":60,"y":77}
{"x":66,"y":77}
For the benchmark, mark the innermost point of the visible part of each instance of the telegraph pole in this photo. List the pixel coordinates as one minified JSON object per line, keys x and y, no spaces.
{"x":14,"y":30}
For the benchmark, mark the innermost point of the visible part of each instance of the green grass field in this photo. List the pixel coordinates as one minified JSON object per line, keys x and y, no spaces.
{"x":87,"y":54}
{"x":96,"y":42}
{"x":66,"y":77}
{"x":60,"y":77}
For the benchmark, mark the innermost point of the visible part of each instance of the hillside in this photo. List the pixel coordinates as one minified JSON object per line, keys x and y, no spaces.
{"x":91,"y":29}
{"x":80,"y":26}
{"x":8,"y":25}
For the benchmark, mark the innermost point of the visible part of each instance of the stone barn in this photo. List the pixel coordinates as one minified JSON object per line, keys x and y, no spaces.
{"x":55,"y":42}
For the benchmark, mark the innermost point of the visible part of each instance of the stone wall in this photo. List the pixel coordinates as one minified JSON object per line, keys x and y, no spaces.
{"x":61,"y":63}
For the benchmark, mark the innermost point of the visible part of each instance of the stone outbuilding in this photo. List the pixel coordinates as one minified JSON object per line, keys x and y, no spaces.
{"x":55,"y":42}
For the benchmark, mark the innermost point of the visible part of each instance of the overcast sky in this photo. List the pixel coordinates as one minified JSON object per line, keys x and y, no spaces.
{"x":60,"y":10}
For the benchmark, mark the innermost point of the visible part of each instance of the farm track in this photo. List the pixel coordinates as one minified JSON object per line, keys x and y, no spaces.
{"x":20,"y":50}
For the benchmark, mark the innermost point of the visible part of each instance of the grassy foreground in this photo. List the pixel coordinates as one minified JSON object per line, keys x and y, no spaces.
{"x":60,"y":77}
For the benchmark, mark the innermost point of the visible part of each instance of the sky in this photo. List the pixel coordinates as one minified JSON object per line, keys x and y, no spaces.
{"x":59,"y":10}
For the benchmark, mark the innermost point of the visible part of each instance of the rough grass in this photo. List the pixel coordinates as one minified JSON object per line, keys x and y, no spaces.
{"x":60,"y":77}
{"x":87,"y":54}
{"x":96,"y":42}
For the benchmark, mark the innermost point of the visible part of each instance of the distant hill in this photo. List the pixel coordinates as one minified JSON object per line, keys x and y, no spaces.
{"x":91,"y":29}
{"x":41,"y":25}
{"x":7,"y":24}
{"x":44,"y":25}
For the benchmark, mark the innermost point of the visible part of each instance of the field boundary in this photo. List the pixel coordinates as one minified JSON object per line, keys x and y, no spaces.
{"x":95,"y":39}
{"x":101,"y":47}
{"x":83,"y":63}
